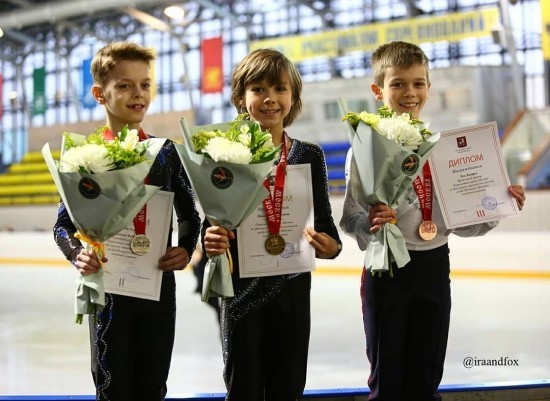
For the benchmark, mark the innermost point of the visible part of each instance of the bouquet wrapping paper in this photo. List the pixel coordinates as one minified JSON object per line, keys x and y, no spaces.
{"x":228,"y":193}
{"x":381,"y":171}
{"x":100,"y":205}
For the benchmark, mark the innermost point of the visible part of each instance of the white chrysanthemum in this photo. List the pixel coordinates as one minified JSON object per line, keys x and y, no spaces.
{"x":399,"y":130}
{"x":224,"y":150}
{"x":90,"y":157}
{"x":131,"y":140}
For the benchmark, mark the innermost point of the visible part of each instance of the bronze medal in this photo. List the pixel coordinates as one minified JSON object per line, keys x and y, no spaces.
{"x":275,"y":244}
{"x":140,"y":244}
{"x":427,"y":230}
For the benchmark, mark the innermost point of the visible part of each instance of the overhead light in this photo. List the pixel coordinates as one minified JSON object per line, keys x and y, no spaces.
{"x":148,"y":19}
{"x":1,"y":32}
{"x":174,"y":12}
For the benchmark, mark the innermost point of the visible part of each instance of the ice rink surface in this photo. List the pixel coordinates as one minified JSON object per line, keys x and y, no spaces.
{"x":501,"y":311}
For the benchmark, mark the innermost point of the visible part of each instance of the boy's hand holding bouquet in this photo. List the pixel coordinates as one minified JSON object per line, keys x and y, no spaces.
{"x":102,"y":185}
{"x":227,"y":165}
{"x":389,"y":151}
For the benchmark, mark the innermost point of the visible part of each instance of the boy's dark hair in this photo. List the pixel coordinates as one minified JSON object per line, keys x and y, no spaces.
{"x":268,"y":64}
{"x":398,"y":55}
{"x":108,"y":56}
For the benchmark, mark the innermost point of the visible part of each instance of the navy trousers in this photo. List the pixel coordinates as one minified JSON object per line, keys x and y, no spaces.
{"x":268,"y":359}
{"x":132,"y":341}
{"x":406,"y":320}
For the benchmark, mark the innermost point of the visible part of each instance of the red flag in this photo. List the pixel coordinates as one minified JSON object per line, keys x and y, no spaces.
{"x":212,"y":70}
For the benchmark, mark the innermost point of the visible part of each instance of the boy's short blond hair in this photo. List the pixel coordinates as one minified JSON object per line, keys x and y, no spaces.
{"x":267,"y":64}
{"x":397,"y":55}
{"x":108,"y":56}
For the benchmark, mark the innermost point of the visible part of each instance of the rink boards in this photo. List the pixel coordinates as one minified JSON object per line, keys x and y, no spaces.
{"x":538,"y":390}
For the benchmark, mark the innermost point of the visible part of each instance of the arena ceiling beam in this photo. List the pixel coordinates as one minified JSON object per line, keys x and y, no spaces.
{"x":53,"y":12}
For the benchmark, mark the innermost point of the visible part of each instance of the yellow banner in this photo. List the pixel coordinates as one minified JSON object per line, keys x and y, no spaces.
{"x":545,"y":15}
{"x":153,"y":73}
{"x":451,"y":28}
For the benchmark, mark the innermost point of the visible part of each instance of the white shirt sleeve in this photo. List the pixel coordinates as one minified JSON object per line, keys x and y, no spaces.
{"x":475,"y":230}
{"x":355,"y":218}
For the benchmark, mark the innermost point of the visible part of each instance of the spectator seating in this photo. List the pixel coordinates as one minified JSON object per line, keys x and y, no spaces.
{"x":28,"y":182}
{"x":335,"y":155}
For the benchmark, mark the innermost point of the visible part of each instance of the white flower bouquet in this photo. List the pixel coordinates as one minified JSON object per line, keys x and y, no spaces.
{"x":227,"y":164}
{"x":401,"y":129}
{"x":387,"y":153}
{"x":102,"y":187}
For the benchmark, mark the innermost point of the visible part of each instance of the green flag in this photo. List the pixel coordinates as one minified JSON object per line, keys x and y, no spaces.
{"x":39,"y":91}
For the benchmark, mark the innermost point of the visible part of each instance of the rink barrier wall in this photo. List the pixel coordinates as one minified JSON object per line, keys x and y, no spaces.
{"x":532,"y":390}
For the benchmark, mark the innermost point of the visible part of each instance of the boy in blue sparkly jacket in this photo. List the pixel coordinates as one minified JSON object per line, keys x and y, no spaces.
{"x":132,"y":338}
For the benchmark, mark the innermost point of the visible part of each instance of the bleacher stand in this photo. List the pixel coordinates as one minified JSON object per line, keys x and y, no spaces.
{"x":28,"y":182}
{"x":335,"y":155}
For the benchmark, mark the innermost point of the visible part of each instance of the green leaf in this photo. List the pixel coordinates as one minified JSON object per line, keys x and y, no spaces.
{"x":123,"y":133}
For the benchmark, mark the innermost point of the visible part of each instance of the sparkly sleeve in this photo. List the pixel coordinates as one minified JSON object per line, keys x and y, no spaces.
{"x":63,"y":233}
{"x":323,"y":221}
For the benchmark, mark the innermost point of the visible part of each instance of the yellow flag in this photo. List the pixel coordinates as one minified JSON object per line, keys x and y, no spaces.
{"x":153,"y":80}
{"x":545,"y":16}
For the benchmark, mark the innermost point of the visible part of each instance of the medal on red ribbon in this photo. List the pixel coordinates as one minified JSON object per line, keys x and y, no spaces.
{"x":427,"y":229}
{"x":140,"y":244}
{"x":273,"y":206}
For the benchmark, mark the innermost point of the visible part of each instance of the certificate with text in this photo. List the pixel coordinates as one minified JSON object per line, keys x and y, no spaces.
{"x":470,"y":176}
{"x":127,"y":273}
{"x":297,"y":213}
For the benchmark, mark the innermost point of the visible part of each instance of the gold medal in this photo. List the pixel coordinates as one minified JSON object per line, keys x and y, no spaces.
{"x":427,"y":230}
{"x":140,"y":244}
{"x":275,"y":244}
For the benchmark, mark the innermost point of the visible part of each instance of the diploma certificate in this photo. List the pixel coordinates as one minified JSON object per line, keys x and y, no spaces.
{"x":470,"y":177}
{"x":298,"y":255}
{"x":139,"y":276}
